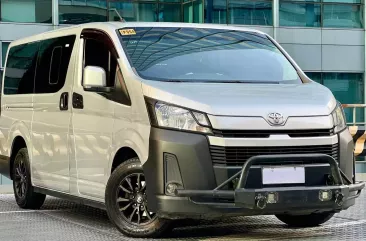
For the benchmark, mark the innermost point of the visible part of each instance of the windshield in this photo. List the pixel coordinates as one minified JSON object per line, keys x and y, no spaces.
{"x":205,"y":55}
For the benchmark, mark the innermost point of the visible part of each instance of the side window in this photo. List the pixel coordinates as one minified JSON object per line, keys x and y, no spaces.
{"x":120,"y":94}
{"x":97,"y":53}
{"x":56,"y":61}
{"x":53,"y":63}
{"x":20,"y":69}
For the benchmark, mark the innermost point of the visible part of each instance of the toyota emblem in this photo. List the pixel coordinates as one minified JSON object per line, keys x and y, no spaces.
{"x":275,"y":118}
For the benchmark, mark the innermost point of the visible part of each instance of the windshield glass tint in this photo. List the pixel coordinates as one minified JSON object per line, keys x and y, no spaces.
{"x":205,"y":55}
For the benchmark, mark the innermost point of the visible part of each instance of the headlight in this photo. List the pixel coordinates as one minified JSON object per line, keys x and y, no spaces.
{"x":180,"y":118}
{"x":338,"y":119}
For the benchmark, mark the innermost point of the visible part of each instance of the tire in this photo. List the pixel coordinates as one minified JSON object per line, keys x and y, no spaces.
{"x":144,"y":224}
{"x":24,"y":193}
{"x":310,"y":220}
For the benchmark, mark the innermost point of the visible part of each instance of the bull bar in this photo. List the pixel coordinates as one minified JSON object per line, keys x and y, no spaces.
{"x":330,"y":196}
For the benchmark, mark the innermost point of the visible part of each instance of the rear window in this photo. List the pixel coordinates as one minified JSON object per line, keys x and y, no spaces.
{"x":205,"y":55}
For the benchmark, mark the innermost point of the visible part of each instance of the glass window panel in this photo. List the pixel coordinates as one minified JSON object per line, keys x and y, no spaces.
{"x":20,"y":69}
{"x":216,"y":11}
{"x":26,"y":11}
{"x":133,"y":11}
{"x":82,"y":11}
{"x":172,"y":1}
{"x":342,"y":16}
{"x":309,"y":1}
{"x":315,"y":76}
{"x":188,"y":12}
{"x":348,"y":88}
{"x":198,"y":11}
{"x":169,"y":12}
{"x":4,"y":49}
{"x":53,"y":62}
{"x":250,"y":12}
{"x":97,"y":53}
{"x":342,"y":1}
{"x":300,"y":14}
{"x":208,"y":55}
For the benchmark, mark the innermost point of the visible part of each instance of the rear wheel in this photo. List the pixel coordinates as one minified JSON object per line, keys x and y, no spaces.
{"x":23,"y":190}
{"x":127,"y":205}
{"x":310,"y":220}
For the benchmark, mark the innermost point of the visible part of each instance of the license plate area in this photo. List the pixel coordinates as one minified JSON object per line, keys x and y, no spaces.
{"x":283,"y":175}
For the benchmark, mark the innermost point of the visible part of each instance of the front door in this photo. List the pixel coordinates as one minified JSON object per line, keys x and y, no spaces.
{"x":52,"y":113}
{"x":92,"y":117}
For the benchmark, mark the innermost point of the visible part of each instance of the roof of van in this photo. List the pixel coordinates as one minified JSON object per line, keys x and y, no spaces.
{"x":118,"y":25}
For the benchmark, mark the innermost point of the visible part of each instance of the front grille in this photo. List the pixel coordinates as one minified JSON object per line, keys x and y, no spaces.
{"x":236,"y":156}
{"x":267,"y":133}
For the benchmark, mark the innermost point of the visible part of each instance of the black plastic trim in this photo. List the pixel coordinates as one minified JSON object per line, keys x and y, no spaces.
{"x":202,"y":194}
{"x":229,"y":133}
{"x":77,"y":101}
{"x":70,"y":198}
{"x":294,"y":196}
{"x":193,"y":157}
{"x":64,"y":101}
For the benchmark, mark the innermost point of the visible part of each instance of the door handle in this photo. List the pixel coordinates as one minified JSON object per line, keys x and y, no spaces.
{"x":64,"y":101}
{"x":77,"y":101}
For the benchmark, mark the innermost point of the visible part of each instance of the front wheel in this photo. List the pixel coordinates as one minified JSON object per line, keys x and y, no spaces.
{"x":310,"y":220}
{"x":126,"y":202}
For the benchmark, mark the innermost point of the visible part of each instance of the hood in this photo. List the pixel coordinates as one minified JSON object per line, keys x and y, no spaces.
{"x":244,"y":99}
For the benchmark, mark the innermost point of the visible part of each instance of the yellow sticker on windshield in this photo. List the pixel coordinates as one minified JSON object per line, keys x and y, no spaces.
{"x":127,"y":31}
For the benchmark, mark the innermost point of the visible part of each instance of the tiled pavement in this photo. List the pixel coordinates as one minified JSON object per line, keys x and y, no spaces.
{"x":60,"y":220}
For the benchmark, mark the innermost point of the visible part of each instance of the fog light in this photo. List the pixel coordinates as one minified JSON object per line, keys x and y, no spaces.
{"x":170,"y":188}
{"x":272,"y":197}
{"x":325,"y":195}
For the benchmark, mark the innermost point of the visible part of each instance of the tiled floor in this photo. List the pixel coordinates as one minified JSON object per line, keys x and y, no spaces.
{"x":60,"y":220}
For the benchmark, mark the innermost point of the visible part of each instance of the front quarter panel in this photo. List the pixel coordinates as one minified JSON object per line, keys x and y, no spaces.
{"x":131,"y":123}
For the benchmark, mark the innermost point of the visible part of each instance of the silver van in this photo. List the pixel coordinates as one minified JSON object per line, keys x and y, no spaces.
{"x":162,"y":121}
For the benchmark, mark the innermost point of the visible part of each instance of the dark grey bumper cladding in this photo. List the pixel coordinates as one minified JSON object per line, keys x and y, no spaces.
{"x":299,"y":197}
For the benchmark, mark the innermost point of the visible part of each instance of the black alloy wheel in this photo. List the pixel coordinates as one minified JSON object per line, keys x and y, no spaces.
{"x":127,"y":205}
{"x":24,"y":193}
{"x":20,"y":178}
{"x":132,"y":201}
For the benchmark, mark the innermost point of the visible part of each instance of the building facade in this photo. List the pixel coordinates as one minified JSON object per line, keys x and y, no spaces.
{"x":325,"y":37}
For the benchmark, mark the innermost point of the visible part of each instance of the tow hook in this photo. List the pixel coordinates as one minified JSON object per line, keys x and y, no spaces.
{"x":261,"y":201}
{"x":339,"y":198}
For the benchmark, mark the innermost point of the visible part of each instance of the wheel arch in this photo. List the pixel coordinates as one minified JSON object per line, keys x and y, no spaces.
{"x":17,"y":144}
{"x":121,"y":155}
{"x":19,"y":133}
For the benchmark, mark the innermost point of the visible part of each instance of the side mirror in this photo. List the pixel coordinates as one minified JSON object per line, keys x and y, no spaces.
{"x":95,"y":79}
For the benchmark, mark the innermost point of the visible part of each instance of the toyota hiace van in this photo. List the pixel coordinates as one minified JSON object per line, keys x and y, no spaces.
{"x":162,"y":121}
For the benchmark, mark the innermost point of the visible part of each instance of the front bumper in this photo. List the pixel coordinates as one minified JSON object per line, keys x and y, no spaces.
{"x":320,"y":198}
{"x":185,"y":158}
